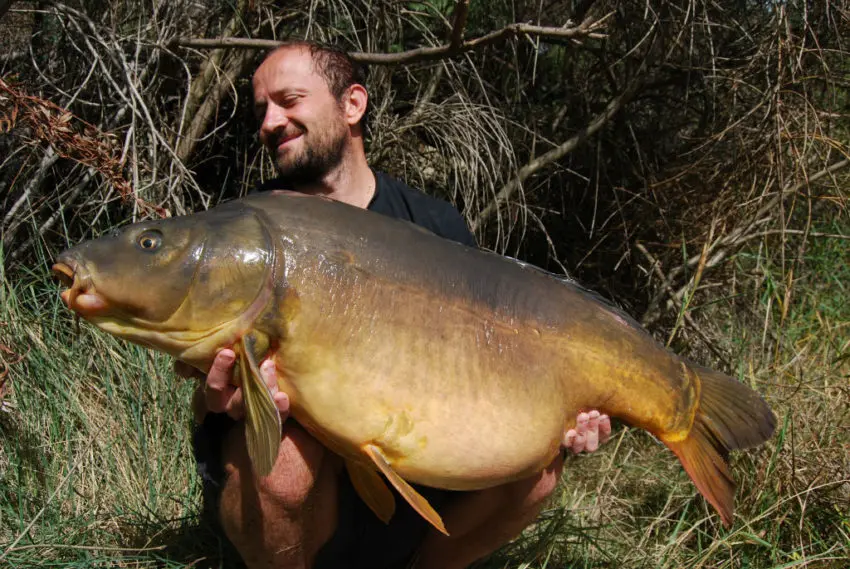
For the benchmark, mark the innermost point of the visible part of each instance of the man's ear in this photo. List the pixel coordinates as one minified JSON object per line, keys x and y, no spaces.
{"x":355,"y":101}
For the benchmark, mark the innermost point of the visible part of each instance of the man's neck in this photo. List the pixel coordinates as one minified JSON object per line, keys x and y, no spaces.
{"x":352,"y":182}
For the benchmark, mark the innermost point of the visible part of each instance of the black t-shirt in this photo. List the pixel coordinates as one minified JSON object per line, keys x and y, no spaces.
{"x":396,"y":199}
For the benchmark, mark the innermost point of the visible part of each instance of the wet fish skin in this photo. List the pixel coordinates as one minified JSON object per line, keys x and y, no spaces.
{"x":450,"y":366}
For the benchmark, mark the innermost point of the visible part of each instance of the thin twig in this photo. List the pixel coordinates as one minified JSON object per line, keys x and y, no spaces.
{"x":735,"y":236}
{"x":795,"y":232}
{"x":656,"y":266}
{"x":61,"y":546}
{"x":197,"y":108}
{"x":55,"y":216}
{"x":47,"y":161}
{"x":13,"y":56}
{"x":723,"y":247}
{"x":236,"y":66}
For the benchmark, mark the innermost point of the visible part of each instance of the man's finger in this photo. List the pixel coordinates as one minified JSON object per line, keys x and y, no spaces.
{"x":219,"y":390}
{"x":220,"y":400}
{"x":221,"y":371}
{"x":579,"y":443}
{"x":577,"y":438}
{"x":235,"y":406}
{"x":581,"y":423}
{"x":281,"y":401}
{"x":569,"y":438}
{"x":268,"y":370}
{"x":604,"y":428}
{"x":592,"y":432}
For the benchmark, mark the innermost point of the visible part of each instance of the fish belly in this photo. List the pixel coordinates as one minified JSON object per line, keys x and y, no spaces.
{"x":455,"y":402}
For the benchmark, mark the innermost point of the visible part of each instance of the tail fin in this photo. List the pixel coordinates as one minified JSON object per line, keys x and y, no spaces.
{"x":730,"y":416}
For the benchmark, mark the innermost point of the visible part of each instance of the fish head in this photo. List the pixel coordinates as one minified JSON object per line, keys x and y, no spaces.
{"x":186,"y":285}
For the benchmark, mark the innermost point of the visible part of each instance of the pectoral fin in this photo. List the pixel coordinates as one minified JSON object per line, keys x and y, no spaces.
{"x":413,"y":497}
{"x":262,"y":420}
{"x":373,"y":490}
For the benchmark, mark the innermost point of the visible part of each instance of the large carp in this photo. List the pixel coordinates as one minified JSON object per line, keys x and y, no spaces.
{"x":405,"y":353}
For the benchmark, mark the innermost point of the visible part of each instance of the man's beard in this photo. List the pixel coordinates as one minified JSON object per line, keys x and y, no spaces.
{"x":314,"y":162}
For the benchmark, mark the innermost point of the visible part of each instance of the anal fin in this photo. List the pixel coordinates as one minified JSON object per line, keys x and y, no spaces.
{"x":413,"y":497}
{"x":373,"y":490}
{"x":263,"y":427}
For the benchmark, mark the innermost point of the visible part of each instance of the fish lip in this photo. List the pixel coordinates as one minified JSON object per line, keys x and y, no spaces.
{"x":64,"y":273}
{"x":78,"y":283}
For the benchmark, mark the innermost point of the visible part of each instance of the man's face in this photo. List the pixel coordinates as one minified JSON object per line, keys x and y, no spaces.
{"x":303,"y":125}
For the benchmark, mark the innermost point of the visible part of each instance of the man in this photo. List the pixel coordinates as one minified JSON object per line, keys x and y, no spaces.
{"x":311,"y":102}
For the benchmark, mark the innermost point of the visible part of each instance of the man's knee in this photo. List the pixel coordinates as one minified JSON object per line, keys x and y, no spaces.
{"x":301,"y":459}
{"x":284,"y":518}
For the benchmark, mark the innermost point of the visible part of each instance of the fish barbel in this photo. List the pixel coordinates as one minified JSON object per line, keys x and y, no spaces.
{"x":407,"y":354}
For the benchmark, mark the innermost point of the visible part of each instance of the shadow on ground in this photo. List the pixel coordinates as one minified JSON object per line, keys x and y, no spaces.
{"x":194,"y":543}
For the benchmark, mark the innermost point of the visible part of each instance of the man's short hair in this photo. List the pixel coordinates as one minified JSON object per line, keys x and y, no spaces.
{"x":333,"y":63}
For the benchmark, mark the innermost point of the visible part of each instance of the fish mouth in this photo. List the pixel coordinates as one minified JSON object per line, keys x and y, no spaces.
{"x":64,"y":274}
{"x":79,"y":294}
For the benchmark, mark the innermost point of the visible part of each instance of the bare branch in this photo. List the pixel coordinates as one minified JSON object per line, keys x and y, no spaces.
{"x":237,"y":66}
{"x":9,"y":222}
{"x":200,"y":103}
{"x":584,"y":30}
{"x":736,"y":236}
{"x":555,"y":154}
{"x":724,"y":247}
{"x":13,"y":56}
{"x":57,"y":214}
{"x":461,"y":11}
{"x":69,"y":136}
{"x":797,"y":232}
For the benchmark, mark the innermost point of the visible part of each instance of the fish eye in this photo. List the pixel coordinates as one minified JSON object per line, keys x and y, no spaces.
{"x":149,"y":240}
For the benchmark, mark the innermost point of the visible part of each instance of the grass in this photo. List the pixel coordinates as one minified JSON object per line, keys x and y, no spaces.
{"x":96,"y":467}
{"x":95,"y":445}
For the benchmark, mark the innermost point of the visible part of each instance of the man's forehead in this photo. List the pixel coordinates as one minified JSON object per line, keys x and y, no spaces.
{"x":289,"y":60}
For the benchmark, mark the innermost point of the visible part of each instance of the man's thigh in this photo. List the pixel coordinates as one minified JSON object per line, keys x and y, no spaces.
{"x":360,"y":539}
{"x":283,"y":519}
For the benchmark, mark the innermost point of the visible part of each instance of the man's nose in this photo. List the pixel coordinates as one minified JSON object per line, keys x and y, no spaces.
{"x":274,"y":121}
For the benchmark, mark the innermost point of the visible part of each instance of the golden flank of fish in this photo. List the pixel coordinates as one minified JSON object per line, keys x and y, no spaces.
{"x":409,"y":355}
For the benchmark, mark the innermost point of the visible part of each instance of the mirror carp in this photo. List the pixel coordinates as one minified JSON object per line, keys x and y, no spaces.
{"x":409,"y":355}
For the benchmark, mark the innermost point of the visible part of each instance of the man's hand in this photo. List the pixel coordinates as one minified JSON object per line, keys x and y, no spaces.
{"x":219,"y":393}
{"x":592,"y":430}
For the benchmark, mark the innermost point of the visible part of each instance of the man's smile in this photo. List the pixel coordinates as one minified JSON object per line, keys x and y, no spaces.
{"x":284,"y":140}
